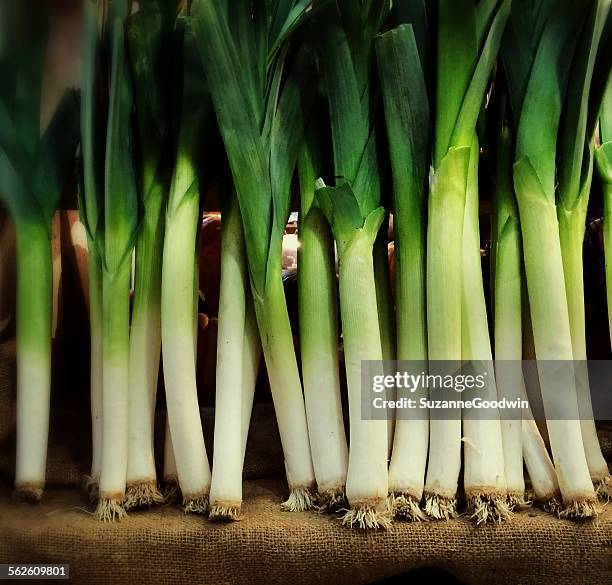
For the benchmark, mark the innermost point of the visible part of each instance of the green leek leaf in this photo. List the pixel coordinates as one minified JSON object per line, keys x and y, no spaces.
{"x":575,"y":155}
{"x":457,"y":28}
{"x":120,"y":200}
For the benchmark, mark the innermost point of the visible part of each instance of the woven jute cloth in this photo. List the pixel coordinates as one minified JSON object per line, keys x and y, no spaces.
{"x":165,"y":546}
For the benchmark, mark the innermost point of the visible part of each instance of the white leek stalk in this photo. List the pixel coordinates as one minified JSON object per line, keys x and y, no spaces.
{"x":145,"y":349}
{"x":367,"y":478}
{"x":540,"y":467}
{"x":508,"y":311}
{"x":318,"y":317}
{"x":226,"y":485}
{"x":178,"y":324}
{"x":115,"y":385}
{"x":366,"y":483}
{"x":444,"y":247}
{"x":277,"y":345}
{"x":483,"y":477}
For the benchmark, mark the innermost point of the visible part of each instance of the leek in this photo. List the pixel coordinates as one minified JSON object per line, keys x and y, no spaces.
{"x":361,"y":21}
{"x":355,"y":215}
{"x":234,"y":386}
{"x":109,"y":209}
{"x":148,"y":31}
{"x":507,"y":314}
{"x":91,"y":209}
{"x":318,"y":318}
{"x":536,"y":82}
{"x":461,"y":80}
{"x":575,"y":163}
{"x":408,"y":129}
{"x":261,"y":122}
{"x":32,"y":172}
{"x":484,"y":480}
{"x":521,"y":437}
{"x":603,"y":159}
{"x":180,"y":286}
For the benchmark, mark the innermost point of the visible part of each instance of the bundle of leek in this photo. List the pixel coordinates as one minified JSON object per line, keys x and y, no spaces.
{"x":462,"y":77}
{"x":109,"y":210}
{"x":536,"y":83}
{"x":32,"y":172}
{"x":259,"y":98}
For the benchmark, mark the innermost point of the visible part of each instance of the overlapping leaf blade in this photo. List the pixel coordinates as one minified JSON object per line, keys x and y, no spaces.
{"x":260,"y":117}
{"x":35,"y":167}
{"x":120,"y":198}
{"x":238,"y":123}
{"x":148,"y":34}
{"x":472,"y":106}
{"x":541,"y":106}
{"x":55,"y":155}
{"x":457,"y":28}
{"x":417,"y":14}
{"x":406,"y":104}
{"x":575,"y":154}
{"x":91,"y":188}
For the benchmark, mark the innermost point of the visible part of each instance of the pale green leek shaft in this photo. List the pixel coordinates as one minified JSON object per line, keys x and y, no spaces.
{"x":34,"y":281}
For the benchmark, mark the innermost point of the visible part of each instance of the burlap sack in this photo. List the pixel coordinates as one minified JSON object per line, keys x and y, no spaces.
{"x":165,"y":546}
